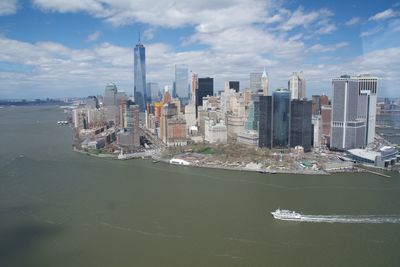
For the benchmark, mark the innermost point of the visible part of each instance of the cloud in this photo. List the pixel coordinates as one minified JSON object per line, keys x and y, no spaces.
{"x":206,"y":14}
{"x":387,"y":14}
{"x":371,"y":32}
{"x":94,"y":36}
{"x":56,"y":70}
{"x":326,"y":28}
{"x":353,"y":21}
{"x":236,"y":37}
{"x":327,"y":48}
{"x":149,"y":33}
{"x":8,"y":7}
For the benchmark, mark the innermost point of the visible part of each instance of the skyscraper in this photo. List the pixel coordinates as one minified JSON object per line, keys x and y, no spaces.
{"x":139,"y":92}
{"x":234,"y":85}
{"x":110,"y":93}
{"x":265,"y":123}
{"x":297,"y":85}
{"x":353,"y":111}
{"x":316,"y":104}
{"x":153,"y":93}
{"x":253,"y":116}
{"x":131,"y":138}
{"x":255,"y":82}
{"x":181,"y":88}
{"x":281,"y":118}
{"x":110,"y":103}
{"x":195,"y":85}
{"x":264,"y":83}
{"x":300,"y":124}
{"x":205,"y":88}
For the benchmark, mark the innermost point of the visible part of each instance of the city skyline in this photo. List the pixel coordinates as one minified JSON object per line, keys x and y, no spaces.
{"x":98,"y":37}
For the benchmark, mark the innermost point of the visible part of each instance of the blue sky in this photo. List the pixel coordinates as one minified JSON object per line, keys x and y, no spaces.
{"x":64,"y":48}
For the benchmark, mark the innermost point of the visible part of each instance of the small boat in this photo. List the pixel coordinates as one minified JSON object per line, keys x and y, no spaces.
{"x":155,"y":161}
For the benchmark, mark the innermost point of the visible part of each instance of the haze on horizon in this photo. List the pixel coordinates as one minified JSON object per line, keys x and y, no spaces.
{"x":74,"y":48}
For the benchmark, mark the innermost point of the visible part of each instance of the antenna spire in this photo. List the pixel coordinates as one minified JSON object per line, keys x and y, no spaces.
{"x":139,"y":36}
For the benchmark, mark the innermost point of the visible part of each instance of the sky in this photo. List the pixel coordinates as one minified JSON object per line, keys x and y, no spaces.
{"x":74,"y":48}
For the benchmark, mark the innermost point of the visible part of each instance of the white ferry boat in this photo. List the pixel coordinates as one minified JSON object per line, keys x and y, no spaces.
{"x":286,"y":215}
{"x":179,"y":162}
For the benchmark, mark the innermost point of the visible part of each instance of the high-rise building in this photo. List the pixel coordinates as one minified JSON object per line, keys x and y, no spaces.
{"x":316,"y":104}
{"x":264,"y":83}
{"x":253,"y":116}
{"x":255,"y":82}
{"x":297,"y":85}
{"x":153,"y":93}
{"x":195,"y":85}
{"x":326,"y":118}
{"x":317,"y":130}
{"x":110,"y":95}
{"x":300,"y":124}
{"x":281,"y":118}
{"x":131,"y":138}
{"x":265,"y":122}
{"x":92,"y":102}
{"x":110,"y":103}
{"x":353,"y":111}
{"x":205,"y":88}
{"x":139,"y":91}
{"x":324,"y":100}
{"x":234,"y":85}
{"x":181,"y":88}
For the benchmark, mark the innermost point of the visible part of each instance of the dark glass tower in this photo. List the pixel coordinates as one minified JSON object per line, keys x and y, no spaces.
{"x":234,"y":85}
{"x":300,"y":124}
{"x":281,"y":118}
{"x":140,"y":94}
{"x":265,"y":123}
{"x":205,"y":88}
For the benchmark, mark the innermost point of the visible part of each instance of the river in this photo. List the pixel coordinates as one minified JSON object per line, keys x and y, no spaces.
{"x":62,"y":208}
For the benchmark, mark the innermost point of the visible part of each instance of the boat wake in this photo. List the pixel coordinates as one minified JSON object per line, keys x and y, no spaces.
{"x":287,"y":215}
{"x":350,"y":218}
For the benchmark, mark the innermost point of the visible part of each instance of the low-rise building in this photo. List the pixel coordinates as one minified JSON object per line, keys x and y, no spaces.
{"x":384,"y":157}
{"x":215,"y":132}
{"x":248,"y":138}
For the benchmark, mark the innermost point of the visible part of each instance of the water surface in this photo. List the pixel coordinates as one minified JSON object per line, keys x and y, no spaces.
{"x":61,"y":208}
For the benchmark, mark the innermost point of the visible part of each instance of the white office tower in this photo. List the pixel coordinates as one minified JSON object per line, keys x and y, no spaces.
{"x":353,"y":111}
{"x":297,"y":85}
{"x":264,"y":83}
{"x":316,"y":121}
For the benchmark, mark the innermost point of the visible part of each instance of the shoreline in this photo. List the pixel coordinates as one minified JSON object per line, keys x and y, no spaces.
{"x":230,"y":168}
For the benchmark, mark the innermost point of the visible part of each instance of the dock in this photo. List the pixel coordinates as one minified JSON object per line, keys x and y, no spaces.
{"x":376,"y":173}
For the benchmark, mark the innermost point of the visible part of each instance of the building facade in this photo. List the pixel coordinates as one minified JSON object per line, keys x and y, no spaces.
{"x":234,"y":85}
{"x":265,"y":122}
{"x":297,"y":85}
{"x":205,"y":88}
{"x":353,"y":111}
{"x":300,"y":124}
{"x":152,"y":92}
{"x":181,"y":88}
{"x":281,"y":118}
{"x":139,"y":90}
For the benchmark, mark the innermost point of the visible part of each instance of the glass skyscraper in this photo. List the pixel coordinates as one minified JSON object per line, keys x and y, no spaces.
{"x":300,"y":124}
{"x":181,"y":88}
{"x":265,"y":123}
{"x":281,"y":118}
{"x":140,"y":93}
